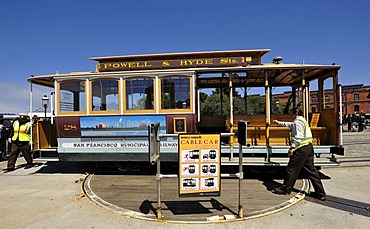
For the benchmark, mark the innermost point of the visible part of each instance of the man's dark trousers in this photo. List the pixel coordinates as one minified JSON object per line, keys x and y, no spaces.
{"x":16,"y":149}
{"x":302,"y":161}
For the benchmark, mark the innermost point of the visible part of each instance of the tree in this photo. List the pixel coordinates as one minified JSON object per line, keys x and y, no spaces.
{"x":212,"y":105}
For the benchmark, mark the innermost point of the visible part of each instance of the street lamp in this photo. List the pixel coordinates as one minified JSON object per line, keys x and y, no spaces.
{"x":277,"y":103}
{"x":45,"y":103}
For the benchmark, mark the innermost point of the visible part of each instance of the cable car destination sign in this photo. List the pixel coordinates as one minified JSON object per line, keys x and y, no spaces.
{"x":178,"y":63}
{"x":199,"y":165}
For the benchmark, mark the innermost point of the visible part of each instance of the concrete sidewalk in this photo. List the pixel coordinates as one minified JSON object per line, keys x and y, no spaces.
{"x":50,"y":195}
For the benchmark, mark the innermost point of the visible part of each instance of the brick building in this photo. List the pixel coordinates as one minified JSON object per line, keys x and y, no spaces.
{"x":355,"y":98}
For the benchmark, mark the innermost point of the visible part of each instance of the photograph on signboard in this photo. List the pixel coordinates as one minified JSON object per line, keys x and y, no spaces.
{"x":209,"y":170}
{"x":190,"y":169}
{"x":179,"y":125}
{"x":189,"y":155}
{"x":190,"y":183}
{"x":209,"y":155}
{"x":209,"y":183}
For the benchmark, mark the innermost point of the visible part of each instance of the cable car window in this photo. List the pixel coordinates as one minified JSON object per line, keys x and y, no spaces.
{"x":72,"y":96}
{"x":139,"y":94}
{"x":175,"y":93}
{"x":105,"y":95}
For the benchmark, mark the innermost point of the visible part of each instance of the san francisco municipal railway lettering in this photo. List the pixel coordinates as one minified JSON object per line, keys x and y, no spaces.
{"x":160,"y":64}
{"x":104,"y":145}
{"x":124,"y":145}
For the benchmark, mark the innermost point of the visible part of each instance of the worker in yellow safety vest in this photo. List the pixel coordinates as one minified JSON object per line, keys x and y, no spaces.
{"x":20,"y":139}
{"x":301,"y":156}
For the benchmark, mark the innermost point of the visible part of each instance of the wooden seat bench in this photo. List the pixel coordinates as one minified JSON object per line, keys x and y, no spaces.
{"x":278,"y":135}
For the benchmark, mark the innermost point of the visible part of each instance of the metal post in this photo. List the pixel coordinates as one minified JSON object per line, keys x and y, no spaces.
{"x":268,"y":107}
{"x":340,"y":116}
{"x":231,"y":116}
{"x":52,"y":107}
{"x":240,"y":206}
{"x":159,"y":209}
{"x":31,"y":115}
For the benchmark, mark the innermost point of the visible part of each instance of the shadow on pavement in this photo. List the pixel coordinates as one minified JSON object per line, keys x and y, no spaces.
{"x":347,"y":205}
{"x":267,"y":175}
{"x":67,"y":167}
{"x":185,"y":207}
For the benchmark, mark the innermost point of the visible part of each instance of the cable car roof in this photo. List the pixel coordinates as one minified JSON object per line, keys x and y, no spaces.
{"x":165,"y":56}
{"x":254,"y":72}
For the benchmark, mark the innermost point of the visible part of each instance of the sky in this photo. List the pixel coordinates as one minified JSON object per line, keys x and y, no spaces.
{"x":40,"y":37}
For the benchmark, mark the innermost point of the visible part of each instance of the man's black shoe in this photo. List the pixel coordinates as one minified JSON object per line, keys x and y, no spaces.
{"x":317,"y":196}
{"x":28,"y":166}
{"x":280,"y":191}
{"x":8,"y":169}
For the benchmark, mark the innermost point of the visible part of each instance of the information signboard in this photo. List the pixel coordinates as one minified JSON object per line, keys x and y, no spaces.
{"x":199,"y":165}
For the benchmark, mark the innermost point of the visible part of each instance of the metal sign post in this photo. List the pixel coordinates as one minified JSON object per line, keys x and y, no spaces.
{"x":154,"y":157}
{"x":242,"y":140}
{"x":158,"y":176}
{"x":240,"y":205}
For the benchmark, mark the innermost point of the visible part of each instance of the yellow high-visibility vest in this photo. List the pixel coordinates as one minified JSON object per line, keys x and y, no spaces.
{"x":307,"y":139}
{"x":21,"y":132}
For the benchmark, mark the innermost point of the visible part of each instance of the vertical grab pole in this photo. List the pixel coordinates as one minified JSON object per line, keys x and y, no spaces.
{"x":340,"y":116}
{"x":52,"y":109}
{"x":268,"y":107}
{"x":31,"y":115}
{"x":240,"y":207}
{"x":231,"y":116}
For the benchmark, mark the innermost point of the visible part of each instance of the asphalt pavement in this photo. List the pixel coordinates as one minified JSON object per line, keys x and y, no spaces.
{"x":50,"y":195}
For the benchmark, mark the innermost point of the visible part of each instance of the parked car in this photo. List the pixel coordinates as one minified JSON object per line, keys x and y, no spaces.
{"x":367,"y":119}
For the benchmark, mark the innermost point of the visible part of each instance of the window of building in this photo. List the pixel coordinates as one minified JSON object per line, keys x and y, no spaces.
{"x":72,"y":96}
{"x":313,"y":99}
{"x":327,"y":99}
{"x":175,"y":93}
{"x":357,"y":97}
{"x":105,"y":95}
{"x":356,"y":108}
{"x":139,"y":94}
